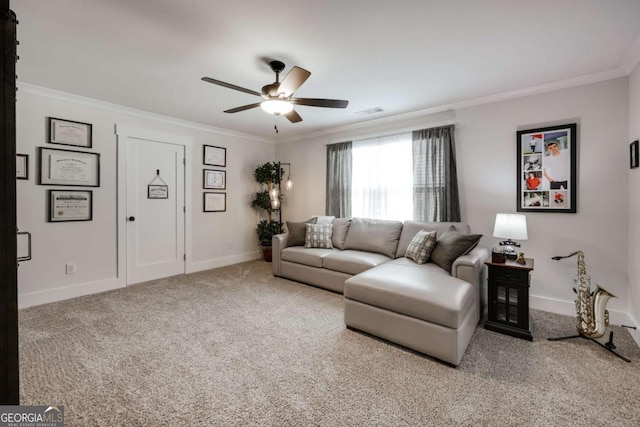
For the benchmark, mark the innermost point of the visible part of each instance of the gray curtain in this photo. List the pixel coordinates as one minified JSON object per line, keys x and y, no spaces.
{"x":339,"y":180}
{"x":435,"y":181}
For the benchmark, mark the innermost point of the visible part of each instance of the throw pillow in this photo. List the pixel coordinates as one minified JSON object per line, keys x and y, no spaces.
{"x":340,"y":228}
{"x":298,"y":231}
{"x":451,"y":245}
{"x":319,"y":236}
{"x":421,"y":246}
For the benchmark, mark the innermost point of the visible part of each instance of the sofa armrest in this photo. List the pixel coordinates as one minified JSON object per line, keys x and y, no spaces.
{"x":470,"y":267}
{"x":278,"y":243}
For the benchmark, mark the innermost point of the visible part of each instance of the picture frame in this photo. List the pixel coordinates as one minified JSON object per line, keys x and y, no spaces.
{"x":633,"y":155}
{"x":68,"y":167}
{"x":157,"y":191}
{"x":214,"y":202}
{"x":69,"y":132}
{"x":214,"y":156}
{"x":214,"y":179}
{"x":70,"y":205}
{"x":22,"y":166}
{"x":547,"y":174}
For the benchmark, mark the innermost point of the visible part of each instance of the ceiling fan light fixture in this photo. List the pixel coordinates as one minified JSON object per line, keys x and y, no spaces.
{"x":276,"y":106}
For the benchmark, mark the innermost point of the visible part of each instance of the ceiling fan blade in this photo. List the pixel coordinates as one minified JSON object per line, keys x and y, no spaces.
{"x":293,"y":80}
{"x":293,"y":116}
{"x":244,"y":107}
{"x":230,"y":86}
{"x":318,"y":102}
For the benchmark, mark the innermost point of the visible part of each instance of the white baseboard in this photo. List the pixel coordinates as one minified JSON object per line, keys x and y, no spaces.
{"x":569,"y":308}
{"x":222,"y":262}
{"x":635,"y":333}
{"x":67,"y":292}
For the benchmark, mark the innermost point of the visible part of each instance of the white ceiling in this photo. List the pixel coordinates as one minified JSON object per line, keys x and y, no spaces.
{"x":400,"y":55}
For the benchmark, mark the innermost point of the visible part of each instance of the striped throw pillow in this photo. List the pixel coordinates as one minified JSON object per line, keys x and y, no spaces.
{"x":319,"y":236}
{"x":421,"y":245}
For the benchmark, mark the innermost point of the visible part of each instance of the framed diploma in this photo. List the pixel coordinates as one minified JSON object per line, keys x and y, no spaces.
{"x":214,"y":180}
{"x":68,"y":132}
{"x":22,"y":166}
{"x":70,"y":205}
{"x":214,"y":156}
{"x":215,"y":202}
{"x":67,"y":167}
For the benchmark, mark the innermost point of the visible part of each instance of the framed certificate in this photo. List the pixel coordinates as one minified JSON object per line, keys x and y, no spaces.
{"x":22,"y":166}
{"x":67,"y":167}
{"x":214,"y":180}
{"x":70,"y":205}
{"x":68,"y":132}
{"x":215,"y":202}
{"x":214,"y":156}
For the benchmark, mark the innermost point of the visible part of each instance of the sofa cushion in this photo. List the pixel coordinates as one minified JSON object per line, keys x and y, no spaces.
{"x":340,"y":228}
{"x":451,"y":245}
{"x":424,"y":292}
{"x":411,"y":228}
{"x":374,"y":235}
{"x":319,"y":236}
{"x":420,"y":248}
{"x":353,"y":262}
{"x":311,"y":257}
{"x":298,"y":231}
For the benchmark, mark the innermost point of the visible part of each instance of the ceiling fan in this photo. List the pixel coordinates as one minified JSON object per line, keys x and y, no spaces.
{"x":278,"y":95}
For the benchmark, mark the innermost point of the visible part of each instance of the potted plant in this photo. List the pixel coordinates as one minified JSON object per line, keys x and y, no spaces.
{"x":266,"y":175}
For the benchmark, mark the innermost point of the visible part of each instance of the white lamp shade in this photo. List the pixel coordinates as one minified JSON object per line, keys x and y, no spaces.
{"x":275,"y":106}
{"x":510,"y":226}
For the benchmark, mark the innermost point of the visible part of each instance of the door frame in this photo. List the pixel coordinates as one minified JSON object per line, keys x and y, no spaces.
{"x":124,"y":131}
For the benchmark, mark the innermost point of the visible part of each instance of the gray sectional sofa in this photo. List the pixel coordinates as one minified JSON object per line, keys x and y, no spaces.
{"x":432,"y":307}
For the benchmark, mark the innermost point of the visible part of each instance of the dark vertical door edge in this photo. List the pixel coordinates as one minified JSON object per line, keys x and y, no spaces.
{"x":9,"y":379}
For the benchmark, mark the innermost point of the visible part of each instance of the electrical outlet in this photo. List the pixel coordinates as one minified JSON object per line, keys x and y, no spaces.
{"x":71,"y":268}
{"x":229,"y":244}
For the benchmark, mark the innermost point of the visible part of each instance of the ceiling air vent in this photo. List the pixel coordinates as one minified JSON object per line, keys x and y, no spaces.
{"x":369,"y":111}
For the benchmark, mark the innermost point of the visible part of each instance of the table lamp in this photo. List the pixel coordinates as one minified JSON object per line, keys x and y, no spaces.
{"x":510,"y":227}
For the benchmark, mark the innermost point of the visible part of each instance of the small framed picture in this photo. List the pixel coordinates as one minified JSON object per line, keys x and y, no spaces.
{"x":214,"y":156}
{"x":215,"y":202}
{"x":70,"y":205}
{"x":22,"y":166}
{"x":214,"y":180}
{"x":68,"y":167}
{"x":633,"y":155}
{"x":157,"y":191}
{"x":68,"y":132}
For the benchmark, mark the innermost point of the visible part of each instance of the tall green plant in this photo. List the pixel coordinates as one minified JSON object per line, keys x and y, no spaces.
{"x":266,"y":175}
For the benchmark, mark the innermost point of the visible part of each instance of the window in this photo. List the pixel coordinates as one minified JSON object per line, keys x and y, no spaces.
{"x":410,"y":175}
{"x":381,"y":180}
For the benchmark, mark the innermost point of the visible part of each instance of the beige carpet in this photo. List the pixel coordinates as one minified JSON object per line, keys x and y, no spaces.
{"x":235,"y":346}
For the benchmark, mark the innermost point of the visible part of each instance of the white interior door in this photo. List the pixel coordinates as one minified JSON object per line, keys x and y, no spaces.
{"x":155,"y":226}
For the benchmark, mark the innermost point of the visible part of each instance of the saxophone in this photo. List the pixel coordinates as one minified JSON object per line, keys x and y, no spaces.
{"x":592,"y":317}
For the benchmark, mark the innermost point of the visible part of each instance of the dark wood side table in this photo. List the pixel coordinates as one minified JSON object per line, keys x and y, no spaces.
{"x":508,"y":294}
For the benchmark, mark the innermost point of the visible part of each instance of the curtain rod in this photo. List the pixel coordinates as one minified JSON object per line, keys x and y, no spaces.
{"x":396,"y":131}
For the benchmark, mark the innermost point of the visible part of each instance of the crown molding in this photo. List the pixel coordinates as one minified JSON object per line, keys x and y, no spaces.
{"x":117,"y":108}
{"x":632,"y":58}
{"x":472,"y":102}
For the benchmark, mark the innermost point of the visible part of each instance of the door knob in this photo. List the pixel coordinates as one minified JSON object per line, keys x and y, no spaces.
{"x":132,"y":218}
